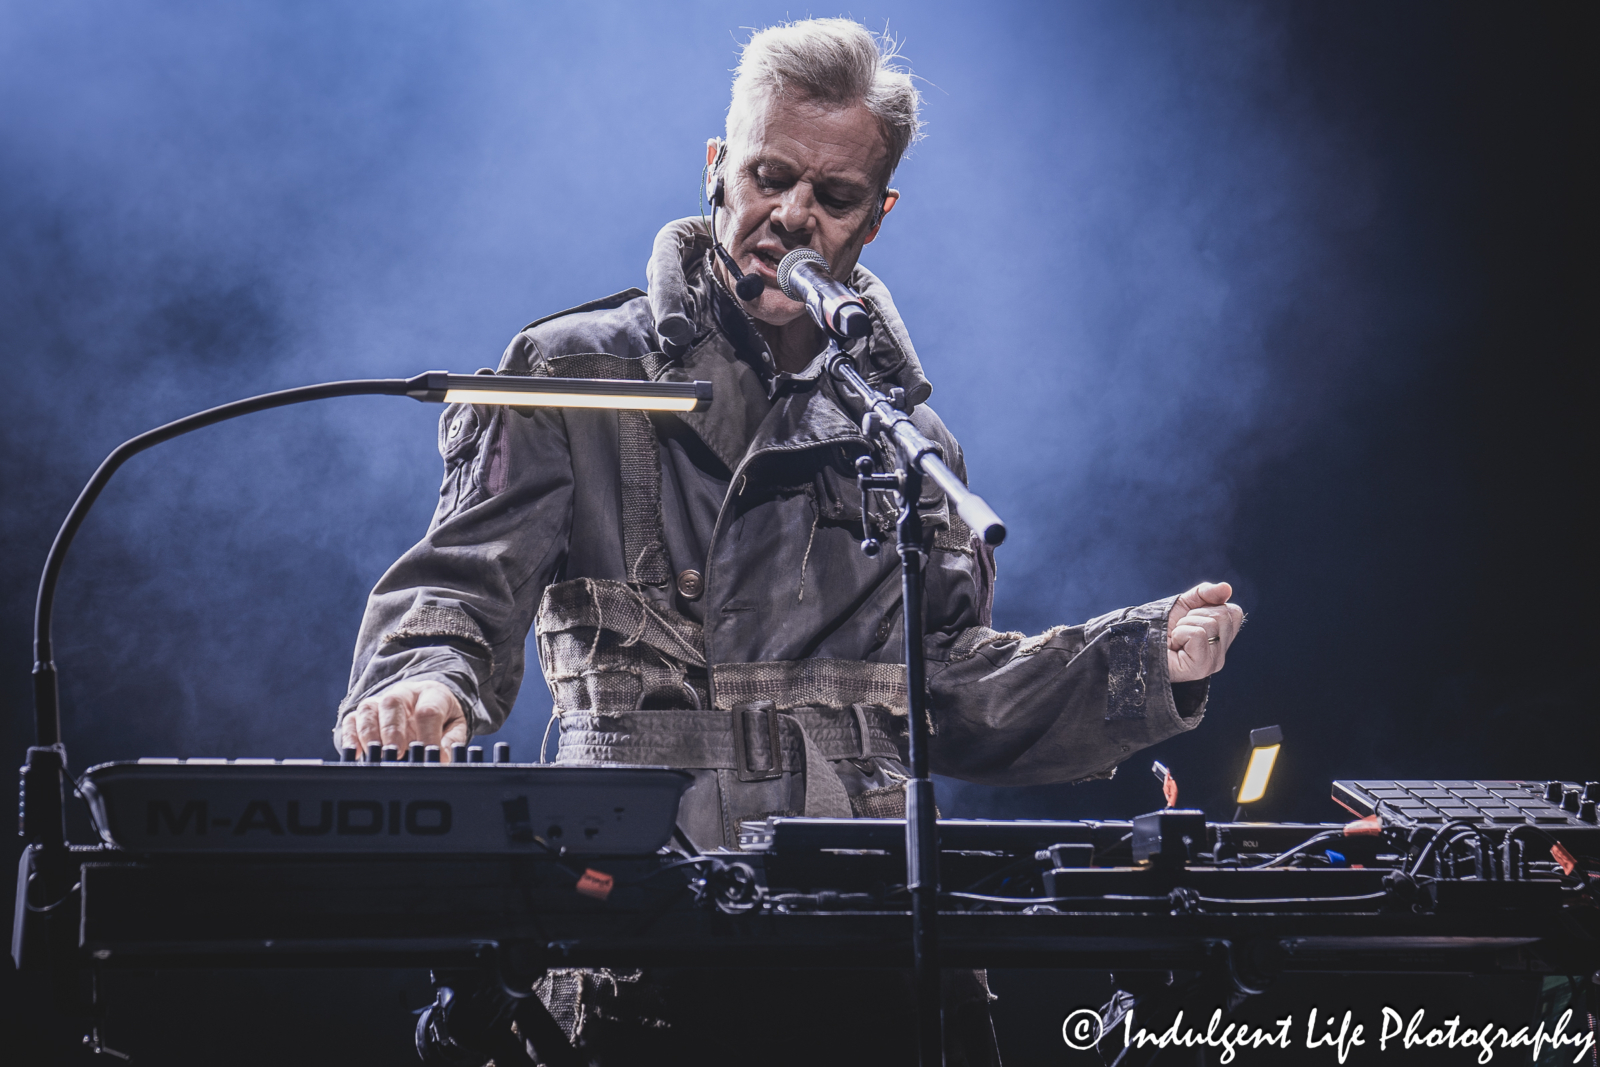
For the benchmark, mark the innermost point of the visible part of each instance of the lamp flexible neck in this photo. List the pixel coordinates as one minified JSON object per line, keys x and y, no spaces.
{"x":47,"y":705}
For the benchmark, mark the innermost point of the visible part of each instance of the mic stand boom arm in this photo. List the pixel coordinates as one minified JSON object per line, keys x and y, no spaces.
{"x":881,"y":414}
{"x":883,"y":418}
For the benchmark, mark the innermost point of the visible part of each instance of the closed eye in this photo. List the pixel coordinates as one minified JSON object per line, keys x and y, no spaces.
{"x":772,"y":180}
{"x":838,"y":202}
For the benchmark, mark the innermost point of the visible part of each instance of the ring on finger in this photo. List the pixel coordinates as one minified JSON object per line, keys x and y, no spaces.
{"x":1213,"y":639}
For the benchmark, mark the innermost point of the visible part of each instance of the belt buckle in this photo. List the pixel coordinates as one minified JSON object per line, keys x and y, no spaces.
{"x":864,"y":729}
{"x":741,"y":750}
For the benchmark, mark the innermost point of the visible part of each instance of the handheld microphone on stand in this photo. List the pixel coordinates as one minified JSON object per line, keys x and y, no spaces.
{"x":803,"y":277}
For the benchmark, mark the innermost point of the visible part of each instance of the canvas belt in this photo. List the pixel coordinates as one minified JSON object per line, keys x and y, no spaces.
{"x":756,"y":741}
{"x":742,"y":740}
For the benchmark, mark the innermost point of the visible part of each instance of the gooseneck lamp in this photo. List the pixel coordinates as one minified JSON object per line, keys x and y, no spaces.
{"x":43,"y":816}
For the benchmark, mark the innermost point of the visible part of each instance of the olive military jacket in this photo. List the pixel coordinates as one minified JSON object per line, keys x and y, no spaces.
{"x":698,"y":588}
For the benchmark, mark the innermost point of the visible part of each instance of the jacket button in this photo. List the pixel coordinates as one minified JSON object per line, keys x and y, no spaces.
{"x":690,"y":585}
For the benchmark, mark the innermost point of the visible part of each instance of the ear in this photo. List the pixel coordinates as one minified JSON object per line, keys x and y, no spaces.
{"x":713,"y":150}
{"x":891,"y":197}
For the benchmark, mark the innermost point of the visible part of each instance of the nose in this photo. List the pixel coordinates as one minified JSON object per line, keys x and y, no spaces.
{"x":792,"y":217}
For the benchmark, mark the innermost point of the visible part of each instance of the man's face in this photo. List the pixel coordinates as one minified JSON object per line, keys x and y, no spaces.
{"x":800,"y":175}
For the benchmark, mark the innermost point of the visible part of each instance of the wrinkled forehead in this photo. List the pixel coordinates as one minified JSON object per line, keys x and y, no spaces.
{"x":847,"y":143}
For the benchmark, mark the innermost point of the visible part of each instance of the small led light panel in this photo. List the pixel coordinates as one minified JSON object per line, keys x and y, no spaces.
{"x":1264,"y":745}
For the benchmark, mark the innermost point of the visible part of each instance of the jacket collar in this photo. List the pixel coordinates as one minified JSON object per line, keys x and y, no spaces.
{"x":688,"y":303}
{"x":707,"y":334}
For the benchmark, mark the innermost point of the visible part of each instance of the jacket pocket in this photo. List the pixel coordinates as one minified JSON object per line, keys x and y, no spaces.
{"x":474,"y":469}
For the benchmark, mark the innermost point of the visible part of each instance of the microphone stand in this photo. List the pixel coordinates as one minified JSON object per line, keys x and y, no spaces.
{"x":884,"y":418}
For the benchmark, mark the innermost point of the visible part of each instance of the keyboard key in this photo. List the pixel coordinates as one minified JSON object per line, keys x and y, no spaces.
{"x":1460,"y":813}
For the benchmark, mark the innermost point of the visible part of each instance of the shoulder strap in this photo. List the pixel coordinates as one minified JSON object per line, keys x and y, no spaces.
{"x":605,"y":303}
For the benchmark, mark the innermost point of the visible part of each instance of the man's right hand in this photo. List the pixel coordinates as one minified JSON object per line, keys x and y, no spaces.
{"x":403,"y":713}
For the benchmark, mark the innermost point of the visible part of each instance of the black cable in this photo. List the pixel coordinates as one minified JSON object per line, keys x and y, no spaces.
{"x":1021,"y":864}
{"x":47,"y":908}
{"x":692,"y":861}
{"x":1117,"y":898}
{"x":1455,"y":828}
{"x":1379,"y":895}
{"x":988,"y":899}
{"x":1326,"y":835}
{"x":1580,"y":860}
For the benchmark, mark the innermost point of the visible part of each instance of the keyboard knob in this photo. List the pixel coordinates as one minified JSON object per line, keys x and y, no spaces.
{"x":1553,"y":791}
{"x":1591,"y":790}
{"x":1572,"y":801}
{"x":458,"y":753}
{"x":1586,"y":812}
{"x":502,"y":752}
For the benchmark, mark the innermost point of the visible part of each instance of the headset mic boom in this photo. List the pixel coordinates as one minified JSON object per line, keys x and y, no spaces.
{"x":748,"y":286}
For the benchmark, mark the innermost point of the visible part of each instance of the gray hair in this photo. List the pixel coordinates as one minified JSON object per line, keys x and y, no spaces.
{"x":834,"y":62}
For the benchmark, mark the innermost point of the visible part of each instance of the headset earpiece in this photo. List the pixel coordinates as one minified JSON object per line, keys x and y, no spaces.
{"x":716,"y":151}
{"x":885,"y":205}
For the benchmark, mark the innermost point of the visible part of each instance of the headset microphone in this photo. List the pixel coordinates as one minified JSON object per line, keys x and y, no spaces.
{"x":748,"y":286}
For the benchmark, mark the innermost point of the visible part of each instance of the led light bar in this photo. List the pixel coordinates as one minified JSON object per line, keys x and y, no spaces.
{"x":519,"y":391}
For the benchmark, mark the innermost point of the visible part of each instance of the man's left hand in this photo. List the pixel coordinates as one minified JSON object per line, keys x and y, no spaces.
{"x":1201,"y":627}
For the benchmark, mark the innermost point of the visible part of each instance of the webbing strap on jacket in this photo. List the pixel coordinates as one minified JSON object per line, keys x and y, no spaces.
{"x":644,"y":544}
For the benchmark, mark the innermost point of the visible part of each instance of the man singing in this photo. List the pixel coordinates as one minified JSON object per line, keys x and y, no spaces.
{"x":694,"y":574}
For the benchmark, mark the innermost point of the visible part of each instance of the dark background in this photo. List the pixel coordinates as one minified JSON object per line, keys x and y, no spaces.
{"x":1297,"y":296}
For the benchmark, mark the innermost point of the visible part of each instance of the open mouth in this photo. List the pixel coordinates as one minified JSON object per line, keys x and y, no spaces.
{"x":765,"y":262}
